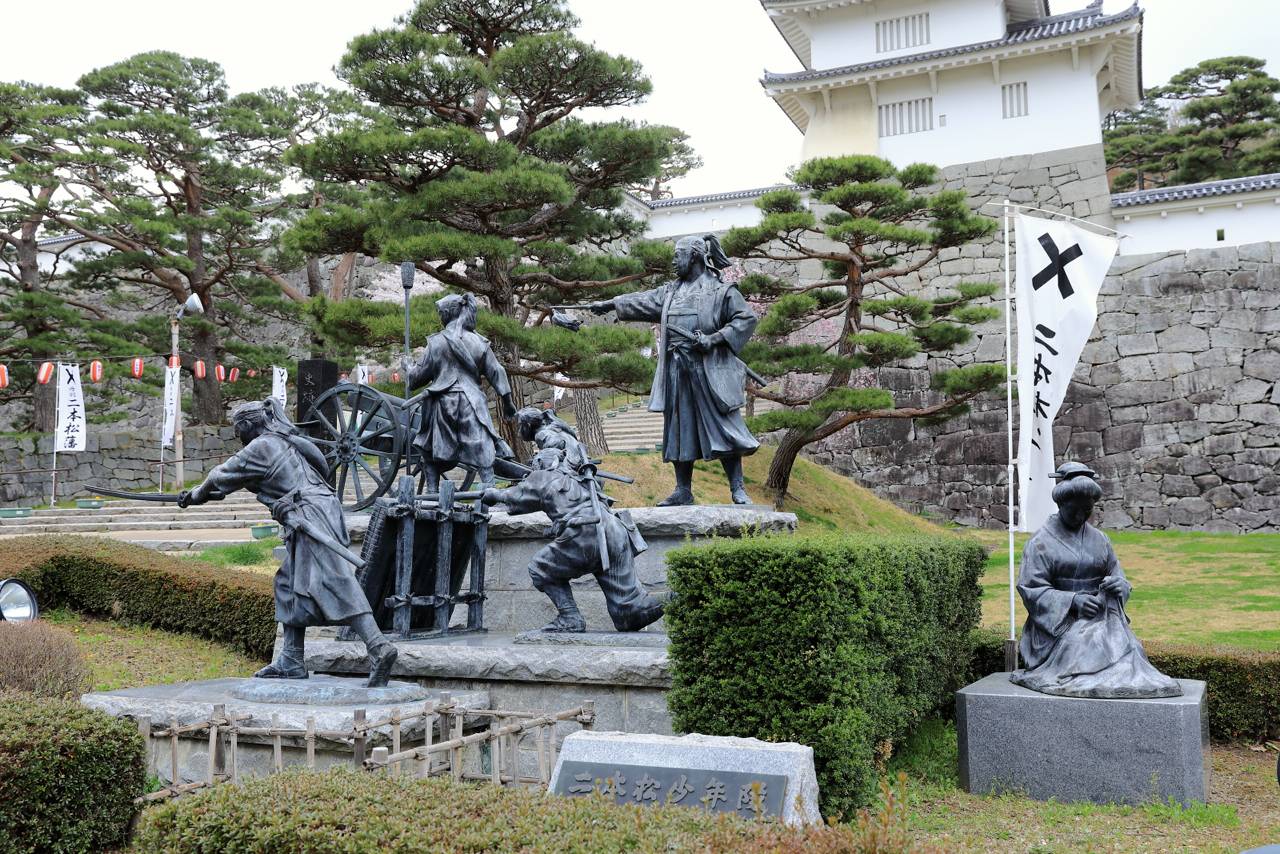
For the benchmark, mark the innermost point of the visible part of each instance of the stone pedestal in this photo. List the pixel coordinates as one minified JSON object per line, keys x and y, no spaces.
{"x":1105,"y":751}
{"x":626,"y":674}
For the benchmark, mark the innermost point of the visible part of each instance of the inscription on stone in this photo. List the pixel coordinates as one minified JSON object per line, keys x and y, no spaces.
{"x":746,"y":795}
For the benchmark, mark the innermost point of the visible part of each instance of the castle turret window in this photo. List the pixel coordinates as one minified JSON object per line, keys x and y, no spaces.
{"x":900,"y":33}
{"x":901,"y":117}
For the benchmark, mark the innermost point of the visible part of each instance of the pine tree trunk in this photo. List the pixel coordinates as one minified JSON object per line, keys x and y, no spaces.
{"x":315,"y":287}
{"x":784,"y":459}
{"x":44,"y":406}
{"x":586,"y":409}
{"x":206,"y":407}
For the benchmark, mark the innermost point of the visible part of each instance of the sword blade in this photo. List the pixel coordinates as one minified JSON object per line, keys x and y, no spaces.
{"x":166,"y":497}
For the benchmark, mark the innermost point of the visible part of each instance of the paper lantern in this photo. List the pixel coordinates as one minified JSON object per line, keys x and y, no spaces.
{"x":44,"y":373}
{"x":220,"y":372}
{"x":198,"y":369}
{"x":175,"y":361}
{"x":95,"y":371}
{"x":233,"y":375}
{"x":395,"y":376}
{"x":252,"y":373}
{"x":4,"y":377}
{"x":136,"y":365}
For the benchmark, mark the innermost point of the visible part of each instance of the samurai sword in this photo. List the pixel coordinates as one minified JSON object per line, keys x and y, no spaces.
{"x":693,"y":336}
{"x":302,"y":525}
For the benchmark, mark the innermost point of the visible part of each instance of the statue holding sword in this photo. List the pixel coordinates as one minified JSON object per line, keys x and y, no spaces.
{"x":315,"y":585}
{"x":699,"y":386}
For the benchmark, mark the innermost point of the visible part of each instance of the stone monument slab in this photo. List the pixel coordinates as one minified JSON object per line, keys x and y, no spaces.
{"x":721,"y":774}
{"x":1076,"y":749}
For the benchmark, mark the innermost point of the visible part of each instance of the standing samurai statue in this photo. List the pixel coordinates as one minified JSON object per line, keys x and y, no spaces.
{"x":314,"y":586}
{"x":456,"y":428}
{"x":700,"y":382}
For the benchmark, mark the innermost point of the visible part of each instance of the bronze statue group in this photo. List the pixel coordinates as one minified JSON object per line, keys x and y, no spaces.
{"x":1077,"y":641}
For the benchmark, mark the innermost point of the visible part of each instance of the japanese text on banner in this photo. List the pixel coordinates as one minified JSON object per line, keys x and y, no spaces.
{"x":1061,"y":268}
{"x":172,"y":388}
{"x":70,"y":432}
{"x":279,"y":377}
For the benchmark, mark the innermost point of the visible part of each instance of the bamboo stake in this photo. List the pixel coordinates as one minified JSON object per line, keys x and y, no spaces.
{"x":276,"y":749}
{"x":235,"y":751}
{"x":213,"y":742}
{"x":495,"y":753}
{"x":173,"y":754}
{"x":360,"y":738}
{"x":311,"y":743}
{"x":395,"y":739}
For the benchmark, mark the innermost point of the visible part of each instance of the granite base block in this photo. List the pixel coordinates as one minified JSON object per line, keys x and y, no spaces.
{"x":1013,"y":739}
{"x":704,"y":752}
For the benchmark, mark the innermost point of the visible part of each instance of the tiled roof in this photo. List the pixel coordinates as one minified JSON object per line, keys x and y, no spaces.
{"x":713,"y":198}
{"x":1207,"y":189}
{"x":1082,"y":20}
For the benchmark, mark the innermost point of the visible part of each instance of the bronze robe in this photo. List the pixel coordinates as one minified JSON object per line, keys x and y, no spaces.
{"x":1067,"y":654}
{"x":700,"y":395}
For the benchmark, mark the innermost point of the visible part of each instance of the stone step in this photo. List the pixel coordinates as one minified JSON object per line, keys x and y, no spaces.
{"x":145,"y":525}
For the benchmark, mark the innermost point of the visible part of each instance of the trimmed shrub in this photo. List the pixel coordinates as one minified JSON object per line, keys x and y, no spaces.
{"x":40,"y":659}
{"x":1243,"y":685}
{"x":125,"y":582}
{"x":342,"y":810}
{"x":68,"y":776}
{"x":840,"y":643}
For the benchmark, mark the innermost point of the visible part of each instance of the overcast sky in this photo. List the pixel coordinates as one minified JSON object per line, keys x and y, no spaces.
{"x":705,"y":57}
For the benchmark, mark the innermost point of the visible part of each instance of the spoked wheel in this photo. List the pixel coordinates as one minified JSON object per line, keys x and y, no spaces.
{"x":362,"y":440}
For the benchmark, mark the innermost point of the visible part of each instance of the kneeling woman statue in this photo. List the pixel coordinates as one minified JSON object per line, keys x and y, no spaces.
{"x":1077,"y":641}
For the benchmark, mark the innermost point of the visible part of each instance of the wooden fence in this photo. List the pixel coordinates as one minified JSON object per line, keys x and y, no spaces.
{"x":504,"y":735}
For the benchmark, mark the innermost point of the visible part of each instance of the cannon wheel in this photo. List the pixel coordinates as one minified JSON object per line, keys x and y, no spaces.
{"x":352,"y":423}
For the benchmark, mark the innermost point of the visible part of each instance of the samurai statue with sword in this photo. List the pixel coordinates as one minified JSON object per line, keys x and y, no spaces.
{"x":315,"y":586}
{"x":700,"y":382}
{"x":587,"y":537}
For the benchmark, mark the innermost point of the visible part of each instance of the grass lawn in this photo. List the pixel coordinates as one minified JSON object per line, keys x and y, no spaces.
{"x":1188,"y":587}
{"x":254,"y":557}
{"x":821,"y":499}
{"x":1244,"y":811}
{"x":126,"y":656}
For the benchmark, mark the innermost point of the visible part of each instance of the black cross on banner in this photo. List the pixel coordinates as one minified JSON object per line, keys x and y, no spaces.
{"x":1057,"y":266}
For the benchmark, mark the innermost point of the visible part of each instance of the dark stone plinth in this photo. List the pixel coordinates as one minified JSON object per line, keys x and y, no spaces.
{"x":1105,"y":751}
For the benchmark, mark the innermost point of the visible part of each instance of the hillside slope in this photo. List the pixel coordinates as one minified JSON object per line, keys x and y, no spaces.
{"x":821,"y":499}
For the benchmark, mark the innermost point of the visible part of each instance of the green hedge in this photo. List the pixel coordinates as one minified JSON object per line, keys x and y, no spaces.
{"x":342,"y":810}
{"x":121,"y":581}
{"x":840,"y":643}
{"x":68,"y":776}
{"x":1243,"y":686}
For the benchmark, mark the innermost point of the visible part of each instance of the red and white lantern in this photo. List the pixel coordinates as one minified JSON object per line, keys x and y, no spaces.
{"x":95,"y":371}
{"x":220,"y":372}
{"x":233,"y":375}
{"x":45,"y":373}
{"x":252,"y":373}
{"x":4,"y":377}
{"x":175,"y":361}
{"x":136,"y":364}
{"x":395,"y":376}
{"x":198,"y":369}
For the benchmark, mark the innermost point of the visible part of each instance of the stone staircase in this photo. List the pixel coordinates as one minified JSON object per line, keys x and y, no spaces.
{"x":634,"y":428}
{"x":158,"y":526}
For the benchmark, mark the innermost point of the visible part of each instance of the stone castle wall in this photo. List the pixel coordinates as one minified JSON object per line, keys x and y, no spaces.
{"x":1174,"y":402}
{"x":113,"y":458}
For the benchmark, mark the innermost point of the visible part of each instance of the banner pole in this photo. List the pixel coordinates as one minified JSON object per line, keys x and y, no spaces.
{"x":53,"y":486}
{"x":1011,"y":647}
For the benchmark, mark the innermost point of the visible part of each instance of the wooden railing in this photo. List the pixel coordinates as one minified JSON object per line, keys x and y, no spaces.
{"x":506,"y":731}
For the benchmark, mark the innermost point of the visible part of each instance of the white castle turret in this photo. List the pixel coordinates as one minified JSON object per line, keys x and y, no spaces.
{"x":953,"y":81}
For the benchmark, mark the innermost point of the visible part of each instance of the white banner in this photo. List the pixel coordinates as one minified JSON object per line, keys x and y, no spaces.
{"x":279,"y":377}
{"x":360,"y":375}
{"x":172,"y":388}
{"x":1060,"y":271}
{"x":70,"y":432}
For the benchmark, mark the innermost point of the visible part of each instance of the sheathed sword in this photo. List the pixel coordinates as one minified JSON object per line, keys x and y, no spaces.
{"x":693,"y":336}
{"x":303,"y":525}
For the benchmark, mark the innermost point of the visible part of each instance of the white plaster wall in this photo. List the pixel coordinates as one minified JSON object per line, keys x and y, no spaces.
{"x":847,"y":36}
{"x":674,"y":222}
{"x":1245,"y":218}
{"x":1063,"y":103}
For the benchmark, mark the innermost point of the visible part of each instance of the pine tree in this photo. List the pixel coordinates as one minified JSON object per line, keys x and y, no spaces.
{"x":468,"y":159}
{"x":177,"y":189}
{"x":881,"y":227}
{"x":1217,"y":119}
